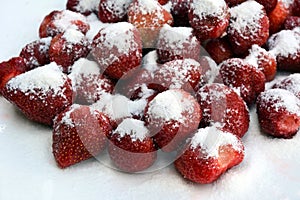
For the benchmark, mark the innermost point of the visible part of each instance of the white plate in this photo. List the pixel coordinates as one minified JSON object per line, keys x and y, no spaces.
{"x":28,"y":171}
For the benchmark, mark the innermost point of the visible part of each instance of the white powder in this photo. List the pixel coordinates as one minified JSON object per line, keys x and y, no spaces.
{"x":117,"y":7}
{"x":84,"y":67}
{"x":148,"y":7}
{"x":66,"y":119}
{"x":43,"y":79}
{"x":65,"y":20}
{"x":246,"y":17}
{"x":290,"y":83}
{"x":205,"y":8}
{"x":73,"y":36}
{"x":149,"y":62}
{"x":87,"y":5}
{"x":210,"y":139}
{"x":132,"y":127}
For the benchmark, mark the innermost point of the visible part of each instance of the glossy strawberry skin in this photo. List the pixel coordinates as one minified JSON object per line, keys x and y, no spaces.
{"x":75,"y":143}
{"x":219,"y":49}
{"x":278,"y":16}
{"x":131,"y":156}
{"x":11,"y":68}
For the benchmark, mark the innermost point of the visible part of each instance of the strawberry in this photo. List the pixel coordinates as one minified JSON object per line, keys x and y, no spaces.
{"x":245,"y":78}
{"x":118,"y":49}
{"x":210,"y":154}
{"x":85,"y":7}
{"x":263,"y":60}
{"x":278,"y":113}
{"x":163,"y":2}
{"x":59,"y":21}
{"x":79,"y":133}
{"x":269,"y":5}
{"x":68,"y":47}
{"x":171,"y":123}
{"x":249,"y":24}
{"x":210,"y":71}
{"x":296,"y":8}
{"x":88,"y":82}
{"x":148,"y":17}
{"x":130,"y":146}
{"x":36,"y":53}
{"x":9,"y":69}
{"x":232,"y":3}
{"x":290,"y":83}
{"x":278,"y":16}
{"x":112,"y":11}
{"x":177,"y":74}
{"x":179,"y":10}
{"x":41,"y":93}
{"x":221,"y":105}
{"x":219,"y":49}
{"x":209,"y":18}
{"x":177,"y":43}
{"x":292,"y":22}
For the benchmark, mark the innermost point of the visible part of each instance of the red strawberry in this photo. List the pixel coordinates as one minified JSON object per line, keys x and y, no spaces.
{"x":210,"y":71}
{"x":68,"y":47}
{"x":179,"y":11}
{"x":177,"y":74}
{"x":278,"y":16}
{"x":219,"y":49}
{"x":292,"y":22}
{"x":278,"y":113}
{"x":10,"y":69}
{"x":112,"y":11}
{"x":296,"y":8}
{"x":263,"y":60}
{"x":269,"y":5}
{"x":285,"y":46}
{"x":41,"y":93}
{"x":79,"y":133}
{"x":36,"y":53}
{"x":163,"y":2}
{"x":290,"y":83}
{"x":148,"y":17}
{"x":209,"y":18}
{"x":248,"y":25}
{"x":177,"y":43}
{"x":245,"y":78}
{"x":130,"y":146}
{"x":88,"y":82}
{"x":221,"y":105}
{"x":59,"y":21}
{"x":172,"y":116}
{"x":118,"y":49}
{"x":232,"y":3}
{"x":210,"y":154}
{"x":85,"y":7}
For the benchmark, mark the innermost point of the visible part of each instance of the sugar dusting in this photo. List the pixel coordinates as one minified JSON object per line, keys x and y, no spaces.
{"x":66,"y":19}
{"x":87,"y":5}
{"x":132,"y":127}
{"x":205,"y":8}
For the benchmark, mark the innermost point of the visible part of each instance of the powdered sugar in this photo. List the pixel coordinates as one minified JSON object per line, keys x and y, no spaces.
{"x":87,"y":5}
{"x":149,"y":61}
{"x":210,"y":139}
{"x":205,"y":8}
{"x":84,"y":67}
{"x":66,"y":119}
{"x":73,"y":36}
{"x":290,"y":83}
{"x":65,"y":20}
{"x":134,"y":128}
{"x":117,"y":7}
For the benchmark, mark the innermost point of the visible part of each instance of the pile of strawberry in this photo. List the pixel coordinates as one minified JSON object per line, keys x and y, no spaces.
{"x":144,"y":84}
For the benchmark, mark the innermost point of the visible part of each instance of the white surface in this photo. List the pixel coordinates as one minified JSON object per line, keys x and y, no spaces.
{"x":28,"y":171}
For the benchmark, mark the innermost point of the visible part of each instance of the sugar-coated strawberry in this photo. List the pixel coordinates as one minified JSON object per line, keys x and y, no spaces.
{"x":118,"y":49}
{"x":269,"y":5}
{"x":79,"y":133}
{"x":249,"y":24}
{"x":248,"y":80}
{"x":219,"y":49}
{"x":11,"y":68}
{"x":88,"y":82}
{"x":221,"y":105}
{"x":278,"y":16}
{"x":148,"y":17}
{"x":232,"y":3}
{"x":278,"y":113}
{"x":172,"y":116}
{"x":263,"y":60}
{"x":209,"y":18}
{"x":177,"y":43}
{"x":131,"y":147}
{"x":112,"y":11}
{"x":290,"y":83}
{"x":85,"y":7}
{"x":67,"y":47}
{"x":292,"y":22}
{"x":179,"y":10}
{"x":210,"y":154}
{"x":36,"y":53}
{"x":177,"y":74}
{"x":59,"y":21}
{"x":285,"y":46}
{"x":40,"y":94}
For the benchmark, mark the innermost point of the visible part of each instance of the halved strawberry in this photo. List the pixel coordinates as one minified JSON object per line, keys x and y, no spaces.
{"x":79,"y":133}
{"x":130,"y":146}
{"x":11,"y":68}
{"x":278,"y":113}
{"x":210,"y":153}
{"x":112,"y":11}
